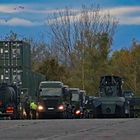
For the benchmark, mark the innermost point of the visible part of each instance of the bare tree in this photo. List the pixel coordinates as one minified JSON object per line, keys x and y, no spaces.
{"x":86,"y":25}
{"x":81,"y":40}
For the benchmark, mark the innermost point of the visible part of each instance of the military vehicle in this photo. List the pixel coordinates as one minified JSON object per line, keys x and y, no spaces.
{"x":129,"y":97}
{"x":83,"y":103}
{"x":89,"y":105}
{"x":53,"y":99}
{"x":134,"y":102}
{"x":9,"y":101}
{"x":15,"y":71}
{"x":111,"y":102}
{"x":77,"y":102}
{"x":67,"y":99}
{"x":128,"y":94}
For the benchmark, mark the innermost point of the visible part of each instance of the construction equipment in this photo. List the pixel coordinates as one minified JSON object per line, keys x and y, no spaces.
{"x":111,"y":102}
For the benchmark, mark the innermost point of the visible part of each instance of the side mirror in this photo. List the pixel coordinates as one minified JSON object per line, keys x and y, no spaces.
{"x":86,"y":101}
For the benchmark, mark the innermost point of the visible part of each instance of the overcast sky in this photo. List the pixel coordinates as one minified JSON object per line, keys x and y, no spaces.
{"x":28,"y":18}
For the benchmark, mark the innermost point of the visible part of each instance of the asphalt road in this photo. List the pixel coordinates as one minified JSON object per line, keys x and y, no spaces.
{"x":76,"y":129}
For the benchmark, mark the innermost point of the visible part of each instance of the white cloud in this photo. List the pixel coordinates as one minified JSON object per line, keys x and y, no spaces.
{"x":31,"y":8}
{"x":127,"y":15}
{"x":2,"y":21}
{"x":130,"y":20}
{"x":118,"y":11}
{"x":18,"y":22}
{"x":11,"y":8}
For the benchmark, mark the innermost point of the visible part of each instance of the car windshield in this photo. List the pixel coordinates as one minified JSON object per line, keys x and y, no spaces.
{"x":51,"y":85}
{"x":75,"y":97}
{"x":128,"y":94}
{"x":51,"y":92}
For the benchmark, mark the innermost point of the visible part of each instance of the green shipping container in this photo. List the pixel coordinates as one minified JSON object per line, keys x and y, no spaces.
{"x":30,"y":82}
{"x":15,"y":54}
{"x":15,"y":67}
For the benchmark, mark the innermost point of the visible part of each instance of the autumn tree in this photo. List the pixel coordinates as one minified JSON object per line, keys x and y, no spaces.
{"x":52,"y":69}
{"x":125,"y":63}
{"x":135,"y":52}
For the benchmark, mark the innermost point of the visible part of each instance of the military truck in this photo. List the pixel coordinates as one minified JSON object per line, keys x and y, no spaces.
{"x":129,"y":97}
{"x":53,"y":100}
{"x":111,"y":102}
{"x":77,"y":102}
{"x":134,"y":103}
{"x":89,"y":105}
{"x":15,"y":69}
{"x":83,"y":103}
{"x":9,"y":101}
{"x":128,"y":94}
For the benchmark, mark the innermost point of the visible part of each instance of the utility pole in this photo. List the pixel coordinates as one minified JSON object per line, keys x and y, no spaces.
{"x":83,"y":68}
{"x":135,"y":79}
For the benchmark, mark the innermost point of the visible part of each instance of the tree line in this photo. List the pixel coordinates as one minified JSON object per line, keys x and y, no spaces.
{"x":79,"y":51}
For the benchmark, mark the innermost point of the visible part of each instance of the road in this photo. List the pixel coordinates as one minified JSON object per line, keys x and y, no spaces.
{"x":88,"y":129}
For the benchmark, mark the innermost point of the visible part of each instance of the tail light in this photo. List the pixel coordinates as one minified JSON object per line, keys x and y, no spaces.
{"x":10,"y":109}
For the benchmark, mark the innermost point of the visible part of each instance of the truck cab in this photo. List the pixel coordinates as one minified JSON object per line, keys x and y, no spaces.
{"x":128,"y":94}
{"x":76,"y":102}
{"x":52,"y":100}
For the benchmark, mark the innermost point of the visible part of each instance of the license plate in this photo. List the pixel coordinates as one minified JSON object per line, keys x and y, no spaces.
{"x":50,"y":108}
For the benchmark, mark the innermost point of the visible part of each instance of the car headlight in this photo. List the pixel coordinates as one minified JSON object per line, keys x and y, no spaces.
{"x":61,"y":107}
{"x":40,"y":108}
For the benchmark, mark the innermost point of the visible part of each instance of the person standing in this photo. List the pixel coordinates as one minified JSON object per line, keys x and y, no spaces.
{"x":27,"y":108}
{"x":33,"y":107}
